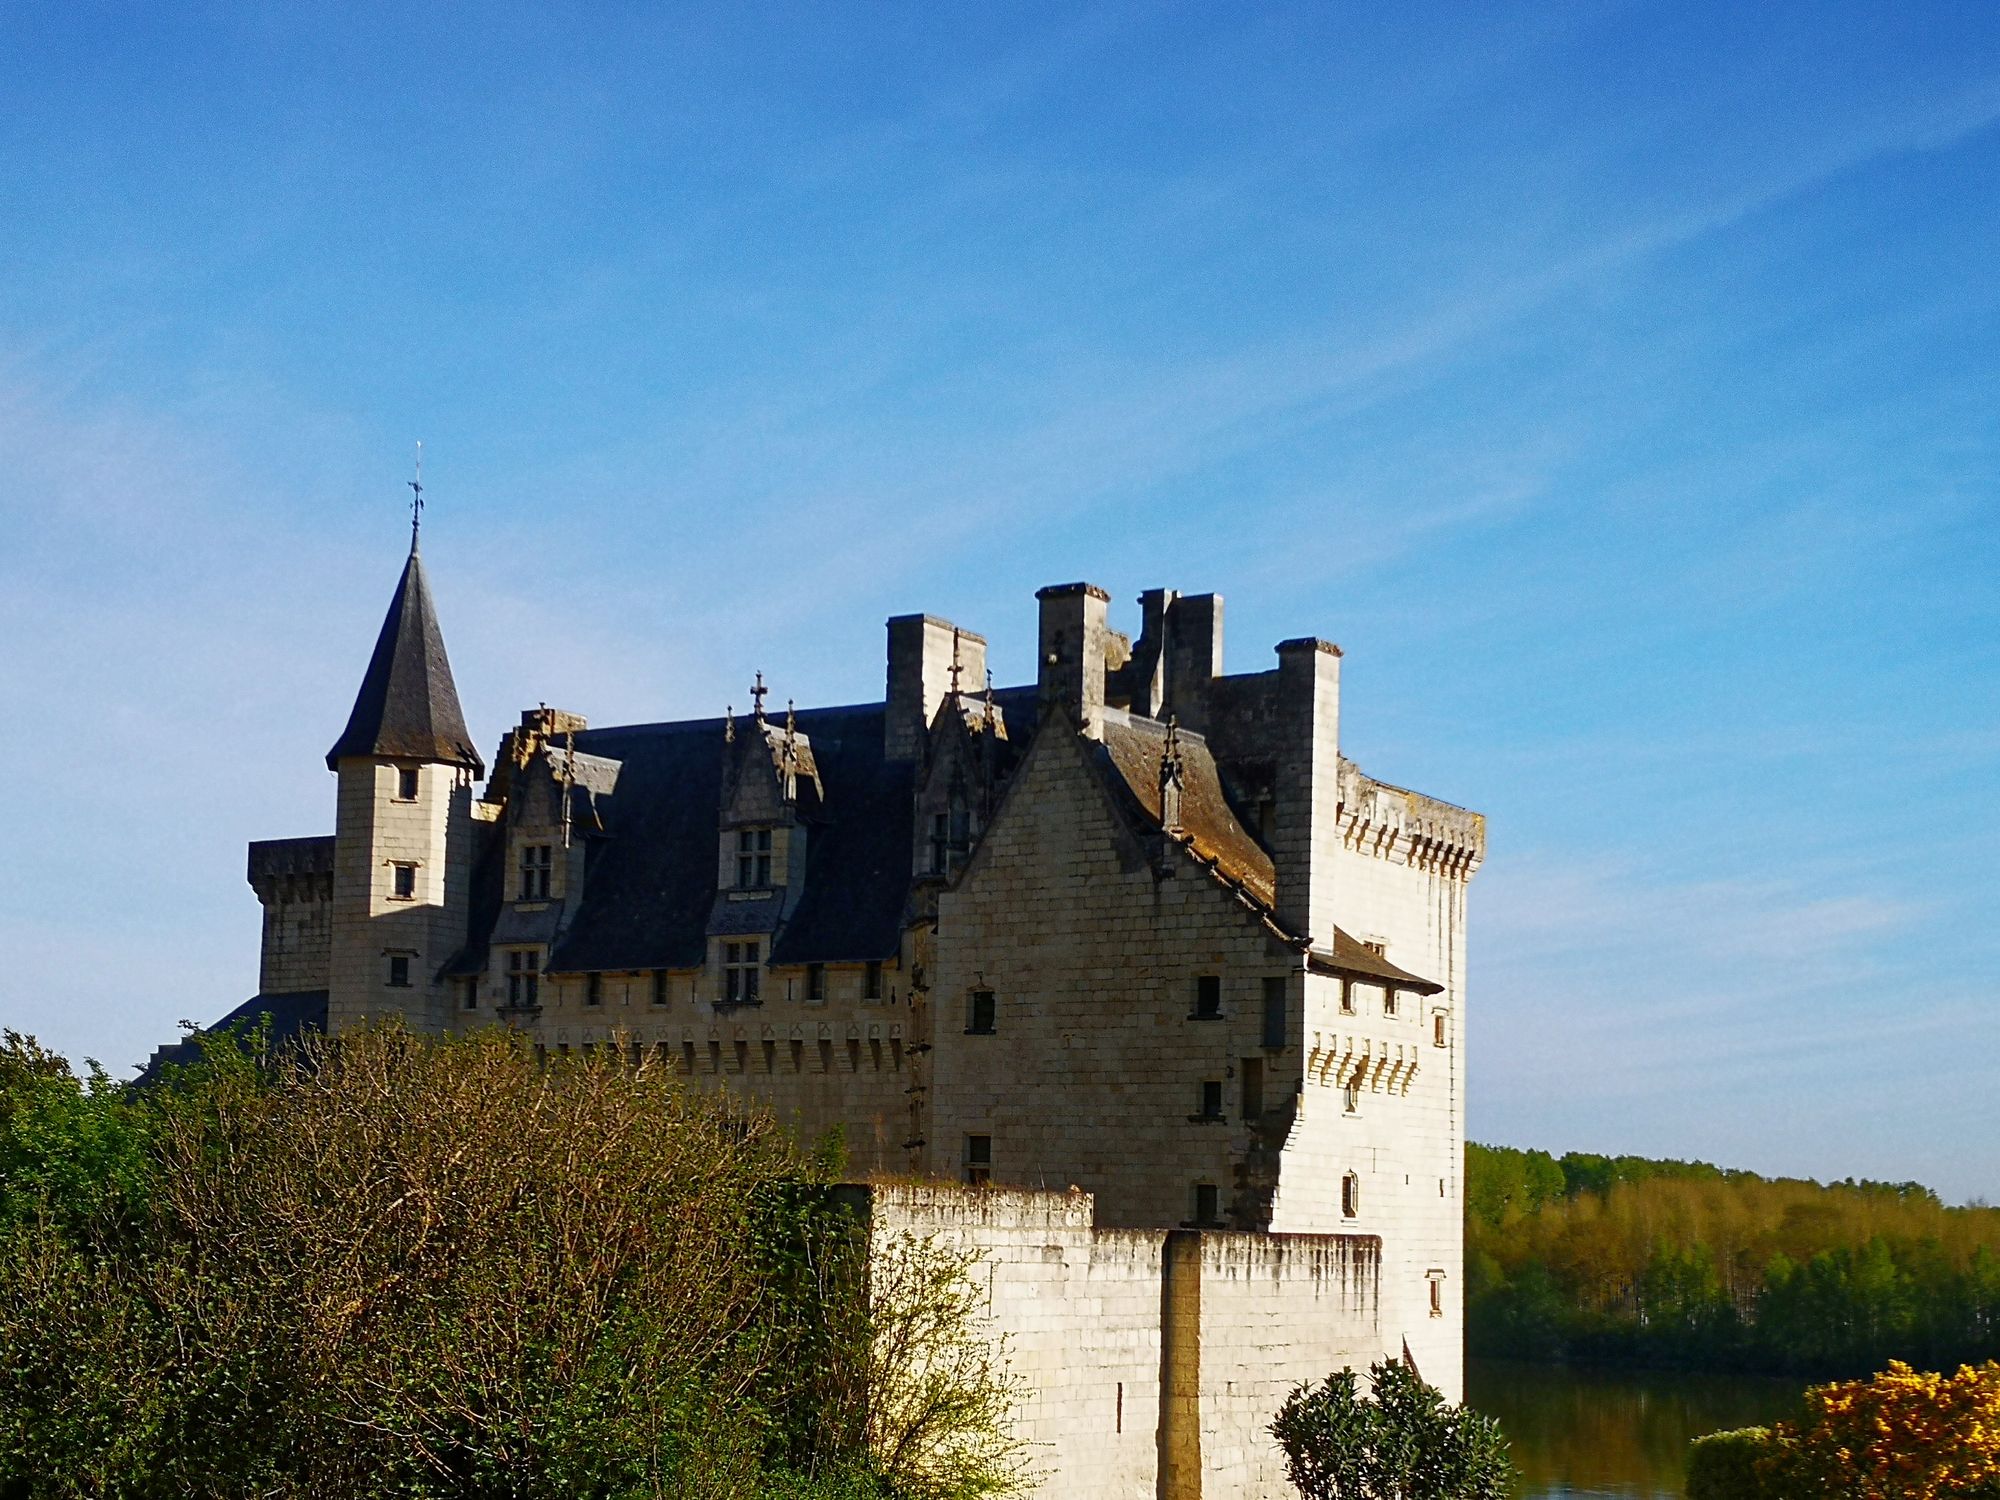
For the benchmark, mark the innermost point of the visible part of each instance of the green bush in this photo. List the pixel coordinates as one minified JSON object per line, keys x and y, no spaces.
{"x":1723,"y":1465}
{"x":1408,"y":1443}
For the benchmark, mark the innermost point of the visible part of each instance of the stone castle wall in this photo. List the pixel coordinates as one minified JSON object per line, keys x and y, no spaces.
{"x":1153,"y":1360}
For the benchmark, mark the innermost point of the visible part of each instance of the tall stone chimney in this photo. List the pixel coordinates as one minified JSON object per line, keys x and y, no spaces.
{"x":1305,"y":836}
{"x":1073,"y":639}
{"x":920,"y":661}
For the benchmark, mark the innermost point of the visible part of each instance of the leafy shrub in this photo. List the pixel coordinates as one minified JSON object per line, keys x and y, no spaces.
{"x":1904,"y":1435}
{"x":1723,"y":1465}
{"x":1405,"y":1444}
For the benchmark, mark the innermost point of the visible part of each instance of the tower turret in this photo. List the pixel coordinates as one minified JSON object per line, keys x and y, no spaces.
{"x":403,"y":828}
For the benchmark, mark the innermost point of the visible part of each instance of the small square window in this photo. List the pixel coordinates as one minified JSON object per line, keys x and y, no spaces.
{"x":399,"y":971}
{"x":406,"y":784}
{"x":405,"y":882}
{"x":979,"y":1018}
{"x":1207,"y":1205}
{"x":1211,"y":1099}
{"x":871,"y":981}
{"x":659,"y":986}
{"x":1208,"y":997}
{"x":978,"y":1160}
{"x":593,"y":989}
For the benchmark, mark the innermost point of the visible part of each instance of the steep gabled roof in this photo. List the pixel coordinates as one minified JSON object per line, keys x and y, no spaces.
{"x":407,"y":707}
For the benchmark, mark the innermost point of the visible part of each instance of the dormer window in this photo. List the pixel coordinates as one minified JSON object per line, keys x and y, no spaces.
{"x":753,"y":859}
{"x":524,"y":978}
{"x":741,"y":967}
{"x":406,"y":784}
{"x":536,"y":862}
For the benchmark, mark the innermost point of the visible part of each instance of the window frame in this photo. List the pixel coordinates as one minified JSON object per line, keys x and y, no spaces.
{"x":871,"y":980}
{"x":399,"y":971}
{"x":1210,"y":1110}
{"x":593,"y":989}
{"x":402,"y":880}
{"x":1207,"y":1206}
{"x":660,"y":994}
{"x":409,"y":784}
{"x":1350,"y":1195}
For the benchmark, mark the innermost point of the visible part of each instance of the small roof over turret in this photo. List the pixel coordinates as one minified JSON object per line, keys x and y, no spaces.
{"x":407,"y":708}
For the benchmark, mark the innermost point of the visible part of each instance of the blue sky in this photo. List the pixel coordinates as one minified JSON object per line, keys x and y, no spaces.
{"x":1615,"y":382}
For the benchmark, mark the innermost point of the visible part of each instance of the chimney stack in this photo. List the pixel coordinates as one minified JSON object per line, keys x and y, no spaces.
{"x":920,"y":676}
{"x":1073,"y":638}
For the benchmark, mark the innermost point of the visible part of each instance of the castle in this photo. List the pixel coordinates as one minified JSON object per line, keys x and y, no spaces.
{"x":1131,"y":950}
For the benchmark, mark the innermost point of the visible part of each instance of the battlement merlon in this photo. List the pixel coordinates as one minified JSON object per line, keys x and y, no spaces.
{"x":274,"y":860}
{"x":1426,"y":832}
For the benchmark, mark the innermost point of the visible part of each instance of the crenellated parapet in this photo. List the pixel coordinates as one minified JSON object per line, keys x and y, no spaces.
{"x":1392,"y":822}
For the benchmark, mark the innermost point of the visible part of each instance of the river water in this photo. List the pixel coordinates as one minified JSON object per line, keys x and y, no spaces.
{"x":1605,"y":1433}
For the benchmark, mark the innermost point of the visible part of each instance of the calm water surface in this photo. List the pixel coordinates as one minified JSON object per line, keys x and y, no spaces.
{"x":1620,"y":1434}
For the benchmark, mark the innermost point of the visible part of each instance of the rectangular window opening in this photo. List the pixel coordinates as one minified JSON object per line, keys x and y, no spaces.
{"x":406,"y":784}
{"x":1438,"y":1034}
{"x":1274,"y":1011}
{"x":1207,"y":1205}
{"x":1251,"y":1074}
{"x":871,"y":981}
{"x":1208,"y":997}
{"x":978,"y":1160}
{"x":405,"y":882}
{"x":753,"y":858}
{"x":536,"y":862}
{"x":742,"y":967}
{"x":399,"y":971}
{"x":1211,"y":1099}
{"x":524,"y":978}
{"x":980,"y":1015}
{"x":593,"y":989}
{"x":659,"y":986}
{"x":816,"y":983}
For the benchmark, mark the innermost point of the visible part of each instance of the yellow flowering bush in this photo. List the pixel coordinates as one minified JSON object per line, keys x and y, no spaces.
{"x":1905,"y":1435}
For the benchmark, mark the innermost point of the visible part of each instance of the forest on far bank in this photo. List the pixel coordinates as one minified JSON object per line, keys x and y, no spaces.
{"x":1628,"y":1260}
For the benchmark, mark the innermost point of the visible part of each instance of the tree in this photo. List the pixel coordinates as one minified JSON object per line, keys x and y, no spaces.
{"x":1407,"y":1443}
{"x":391,"y":1265}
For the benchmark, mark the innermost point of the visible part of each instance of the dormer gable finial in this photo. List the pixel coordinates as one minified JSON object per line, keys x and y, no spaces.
{"x":955,"y":668}
{"x":757,"y":692}
{"x":729,"y":725}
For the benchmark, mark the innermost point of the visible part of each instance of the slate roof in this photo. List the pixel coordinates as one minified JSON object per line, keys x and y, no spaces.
{"x":650,"y":885}
{"x":408,"y":705}
{"x":1355,"y":958}
{"x":1134,"y":746}
{"x":292,"y":1014}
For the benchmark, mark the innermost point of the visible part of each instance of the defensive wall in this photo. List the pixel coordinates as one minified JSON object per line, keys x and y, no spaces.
{"x":1153,"y":1360}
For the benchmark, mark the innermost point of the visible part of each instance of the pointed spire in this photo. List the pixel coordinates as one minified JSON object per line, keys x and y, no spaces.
{"x":407,"y":708}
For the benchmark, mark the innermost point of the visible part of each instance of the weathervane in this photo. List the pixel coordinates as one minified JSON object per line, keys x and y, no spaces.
{"x":417,"y":497}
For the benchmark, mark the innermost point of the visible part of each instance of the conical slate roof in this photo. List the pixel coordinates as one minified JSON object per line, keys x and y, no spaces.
{"x":407,"y":707}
